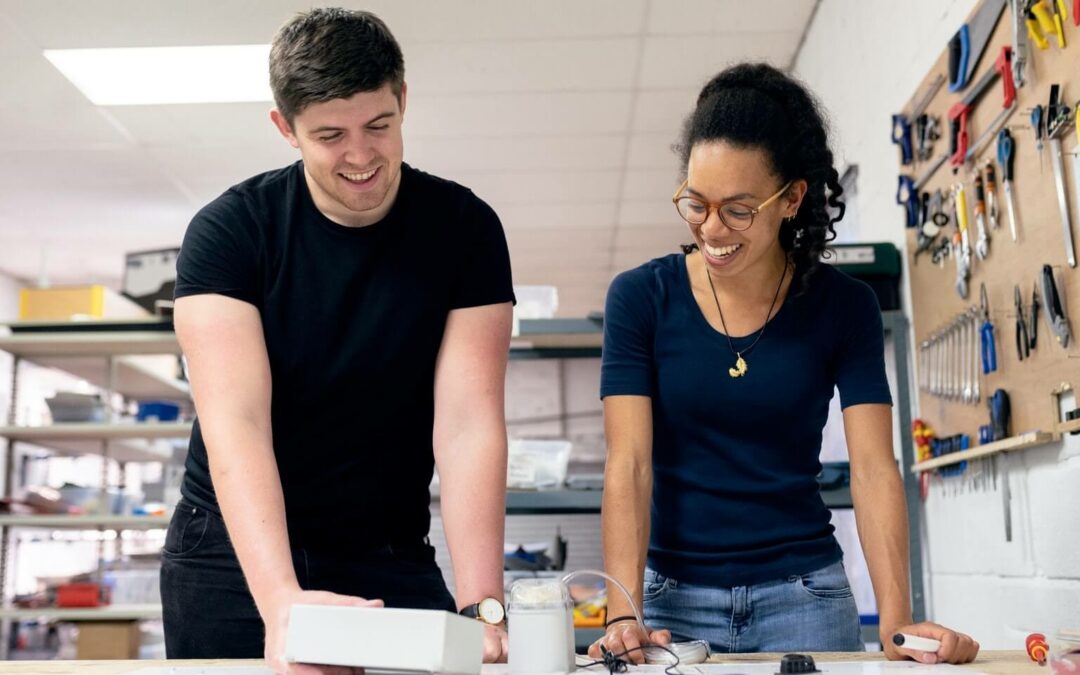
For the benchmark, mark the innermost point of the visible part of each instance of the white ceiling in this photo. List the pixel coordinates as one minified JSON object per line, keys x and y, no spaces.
{"x":561,"y":114}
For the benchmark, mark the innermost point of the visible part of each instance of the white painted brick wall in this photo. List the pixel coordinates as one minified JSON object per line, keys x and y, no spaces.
{"x":977,"y":582}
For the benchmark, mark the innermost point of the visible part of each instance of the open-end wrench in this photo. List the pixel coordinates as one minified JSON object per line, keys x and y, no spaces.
{"x":973,"y":323}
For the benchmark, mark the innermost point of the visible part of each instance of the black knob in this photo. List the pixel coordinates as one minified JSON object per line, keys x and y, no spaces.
{"x":797,"y":663}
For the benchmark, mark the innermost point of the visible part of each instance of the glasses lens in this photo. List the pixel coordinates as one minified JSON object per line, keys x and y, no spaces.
{"x":693,"y":211}
{"x":737,"y":216}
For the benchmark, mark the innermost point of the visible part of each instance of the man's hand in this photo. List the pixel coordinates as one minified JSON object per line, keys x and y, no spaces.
{"x":625,"y":636}
{"x":955,"y":647}
{"x":277,"y":624}
{"x":496,"y":644}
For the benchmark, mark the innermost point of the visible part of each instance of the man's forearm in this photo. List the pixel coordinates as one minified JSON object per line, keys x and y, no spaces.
{"x":625,"y":527}
{"x":881,"y":517}
{"x":472,"y":484}
{"x":248,"y":490}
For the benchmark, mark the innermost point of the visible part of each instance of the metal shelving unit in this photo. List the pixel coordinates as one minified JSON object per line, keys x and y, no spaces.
{"x":84,"y":522}
{"x":131,"y":360}
{"x":105,"y":613}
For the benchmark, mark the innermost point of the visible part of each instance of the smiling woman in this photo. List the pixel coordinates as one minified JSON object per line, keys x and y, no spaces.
{"x":718,"y":367}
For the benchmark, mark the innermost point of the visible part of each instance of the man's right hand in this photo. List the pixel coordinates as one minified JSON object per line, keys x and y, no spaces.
{"x":625,"y":636}
{"x":277,"y":625}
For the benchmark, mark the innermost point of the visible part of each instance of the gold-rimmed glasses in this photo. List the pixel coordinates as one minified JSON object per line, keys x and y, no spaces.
{"x":735,"y":215}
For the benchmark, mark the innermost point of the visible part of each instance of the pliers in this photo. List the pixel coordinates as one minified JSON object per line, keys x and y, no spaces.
{"x":1023,"y":345}
{"x":1055,"y":310}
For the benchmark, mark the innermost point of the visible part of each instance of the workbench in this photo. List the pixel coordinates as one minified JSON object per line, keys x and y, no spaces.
{"x":989,"y":662}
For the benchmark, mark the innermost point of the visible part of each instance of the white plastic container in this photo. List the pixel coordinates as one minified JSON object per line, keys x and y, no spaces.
{"x":540,"y":620}
{"x":537,"y":464}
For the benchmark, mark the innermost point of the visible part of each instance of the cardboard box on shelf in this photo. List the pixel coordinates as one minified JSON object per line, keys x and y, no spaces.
{"x":66,"y":303}
{"x":107,"y":640}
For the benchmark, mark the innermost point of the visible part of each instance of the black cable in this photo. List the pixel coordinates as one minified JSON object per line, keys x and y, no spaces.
{"x":616,"y":664}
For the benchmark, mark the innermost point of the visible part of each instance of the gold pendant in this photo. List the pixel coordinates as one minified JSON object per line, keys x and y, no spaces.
{"x":740,"y":367}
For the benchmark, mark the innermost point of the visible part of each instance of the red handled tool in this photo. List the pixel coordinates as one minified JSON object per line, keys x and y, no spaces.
{"x":1037,"y":648}
{"x":958,"y":114}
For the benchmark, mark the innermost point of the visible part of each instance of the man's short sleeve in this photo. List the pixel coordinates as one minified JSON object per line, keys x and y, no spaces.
{"x":860,"y":360}
{"x":627,"y":364}
{"x":219,"y":254}
{"x":484,"y":265}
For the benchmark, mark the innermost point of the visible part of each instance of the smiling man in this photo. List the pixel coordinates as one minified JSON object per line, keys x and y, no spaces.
{"x":346,"y":321}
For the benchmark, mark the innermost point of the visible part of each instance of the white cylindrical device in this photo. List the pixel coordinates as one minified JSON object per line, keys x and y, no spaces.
{"x":540,"y":620}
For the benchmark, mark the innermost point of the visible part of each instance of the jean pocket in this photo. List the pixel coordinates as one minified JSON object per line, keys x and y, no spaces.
{"x":827,"y":582}
{"x":187,"y":529}
{"x":655,"y":585}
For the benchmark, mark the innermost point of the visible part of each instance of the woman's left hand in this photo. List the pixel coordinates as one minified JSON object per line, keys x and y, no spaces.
{"x":955,"y":647}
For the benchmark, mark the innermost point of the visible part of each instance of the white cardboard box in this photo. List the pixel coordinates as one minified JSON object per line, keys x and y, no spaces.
{"x":415,"y":640}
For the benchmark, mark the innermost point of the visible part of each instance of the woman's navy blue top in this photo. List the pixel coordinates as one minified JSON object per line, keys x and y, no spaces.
{"x":735,"y":497}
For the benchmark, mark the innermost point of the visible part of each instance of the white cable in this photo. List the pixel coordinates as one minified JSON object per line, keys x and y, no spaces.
{"x":688,"y":653}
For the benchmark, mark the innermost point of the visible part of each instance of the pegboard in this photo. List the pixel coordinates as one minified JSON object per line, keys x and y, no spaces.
{"x":935,"y":300}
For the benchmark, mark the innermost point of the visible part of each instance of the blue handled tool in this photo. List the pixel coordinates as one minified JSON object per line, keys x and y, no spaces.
{"x":1000,"y":414}
{"x":986,"y":334}
{"x":1005,"y":150}
{"x":969,"y":43}
{"x":901,"y":135}
{"x":908,"y":197}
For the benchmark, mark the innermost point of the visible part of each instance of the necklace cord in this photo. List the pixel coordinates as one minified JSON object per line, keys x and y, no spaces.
{"x":761,"y":332}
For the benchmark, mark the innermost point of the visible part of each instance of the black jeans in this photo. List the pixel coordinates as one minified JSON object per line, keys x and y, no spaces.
{"x":209,"y":612}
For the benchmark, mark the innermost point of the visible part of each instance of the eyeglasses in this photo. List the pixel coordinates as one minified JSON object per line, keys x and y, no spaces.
{"x":734,"y":215}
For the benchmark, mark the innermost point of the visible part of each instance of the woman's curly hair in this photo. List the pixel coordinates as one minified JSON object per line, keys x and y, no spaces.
{"x":754,"y":105}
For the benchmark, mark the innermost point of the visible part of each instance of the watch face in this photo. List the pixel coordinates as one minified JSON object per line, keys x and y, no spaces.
{"x":491,"y":611}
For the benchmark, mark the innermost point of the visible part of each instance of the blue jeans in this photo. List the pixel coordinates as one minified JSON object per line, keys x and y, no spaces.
{"x":813,"y":612}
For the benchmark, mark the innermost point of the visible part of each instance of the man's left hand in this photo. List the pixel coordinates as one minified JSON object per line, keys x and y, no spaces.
{"x":496,"y":644}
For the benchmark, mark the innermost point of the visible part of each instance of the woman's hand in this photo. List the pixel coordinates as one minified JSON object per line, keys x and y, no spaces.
{"x":955,"y":647}
{"x":628,"y":636}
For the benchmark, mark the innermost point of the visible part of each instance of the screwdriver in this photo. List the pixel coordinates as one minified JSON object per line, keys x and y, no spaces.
{"x":1005,"y":159}
{"x":991,"y":195}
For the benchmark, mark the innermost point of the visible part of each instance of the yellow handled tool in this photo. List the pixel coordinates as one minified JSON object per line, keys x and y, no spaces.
{"x":1060,"y":16}
{"x":1046,"y":23}
{"x":1034,"y":32}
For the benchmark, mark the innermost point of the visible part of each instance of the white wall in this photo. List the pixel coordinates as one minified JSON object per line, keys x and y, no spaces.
{"x":976,"y":582}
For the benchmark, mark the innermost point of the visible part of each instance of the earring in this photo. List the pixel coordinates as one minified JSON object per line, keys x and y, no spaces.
{"x":799,"y":233}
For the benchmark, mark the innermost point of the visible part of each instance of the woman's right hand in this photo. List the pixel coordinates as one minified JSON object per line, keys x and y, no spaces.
{"x":628,"y":636}
{"x":277,"y":626}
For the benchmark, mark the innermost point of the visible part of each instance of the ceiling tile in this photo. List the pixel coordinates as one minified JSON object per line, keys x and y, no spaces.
{"x":531,"y":65}
{"x":654,"y":213}
{"x":695,"y":17}
{"x":543,"y":187}
{"x":653,"y":185}
{"x":579,"y":215}
{"x":222,"y":124}
{"x":577,"y":152}
{"x":519,"y":114}
{"x":691,"y":61}
{"x":663,"y":111}
{"x":654,"y":151}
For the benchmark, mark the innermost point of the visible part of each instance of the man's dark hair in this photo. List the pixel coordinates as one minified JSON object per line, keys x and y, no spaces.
{"x":330,"y":53}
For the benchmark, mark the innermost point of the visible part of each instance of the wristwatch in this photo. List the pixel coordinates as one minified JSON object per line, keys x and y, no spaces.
{"x":488,"y":610}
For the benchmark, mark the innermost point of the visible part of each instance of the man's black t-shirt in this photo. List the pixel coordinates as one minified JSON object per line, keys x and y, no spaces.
{"x":353,"y":320}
